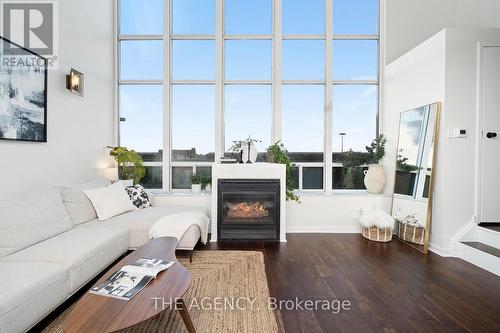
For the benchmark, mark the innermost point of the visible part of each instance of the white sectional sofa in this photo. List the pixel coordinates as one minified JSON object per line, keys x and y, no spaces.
{"x":51,"y":244}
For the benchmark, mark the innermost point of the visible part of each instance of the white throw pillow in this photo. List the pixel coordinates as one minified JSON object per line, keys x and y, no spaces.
{"x":110,"y":201}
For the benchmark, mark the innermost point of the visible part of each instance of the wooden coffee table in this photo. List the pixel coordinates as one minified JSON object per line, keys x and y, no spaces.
{"x":94,"y":313}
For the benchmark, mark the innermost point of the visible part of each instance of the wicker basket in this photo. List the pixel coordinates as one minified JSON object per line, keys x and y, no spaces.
{"x":411,"y":233}
{"x":377,"y":234}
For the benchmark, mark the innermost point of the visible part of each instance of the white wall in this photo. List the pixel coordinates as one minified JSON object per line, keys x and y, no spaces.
{"x":333,"y":213}
{"x":410,"y":22}
{"x":458,"y":156}
{"x":413,"y":80}
{"x":443,"y":68}
{"x":78,"y":128}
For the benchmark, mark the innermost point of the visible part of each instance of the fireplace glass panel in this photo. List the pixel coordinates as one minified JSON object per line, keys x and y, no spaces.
{"x":248,"y":208}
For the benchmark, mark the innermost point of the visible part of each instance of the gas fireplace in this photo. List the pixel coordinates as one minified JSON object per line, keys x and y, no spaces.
{"x":248,"y":209}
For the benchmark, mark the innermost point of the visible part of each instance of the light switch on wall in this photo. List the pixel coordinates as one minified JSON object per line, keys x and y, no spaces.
{"x":457,"y":133}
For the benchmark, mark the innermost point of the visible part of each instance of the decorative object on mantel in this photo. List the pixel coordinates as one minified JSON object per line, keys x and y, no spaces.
{"x":410,"y":230}
{"x":130,"y":164}
{"x":23,"y":94}
{"x":75,"y":82}
{"x":376,"y":225}
{"x":277,"y":153}
{"x":246,"y":149}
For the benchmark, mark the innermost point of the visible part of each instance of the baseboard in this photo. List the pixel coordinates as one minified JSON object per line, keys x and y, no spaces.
{"x":440,"y":251}
{"x":321,"y":229}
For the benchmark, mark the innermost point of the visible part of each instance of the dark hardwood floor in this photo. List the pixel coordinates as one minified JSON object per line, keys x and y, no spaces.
{"x":391,"y":287}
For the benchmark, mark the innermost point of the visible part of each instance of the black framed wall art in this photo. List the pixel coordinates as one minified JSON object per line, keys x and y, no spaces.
{"x":23,"y":93}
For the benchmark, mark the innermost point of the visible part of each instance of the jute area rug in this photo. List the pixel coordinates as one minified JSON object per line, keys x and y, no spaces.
{"x":225,"y":275}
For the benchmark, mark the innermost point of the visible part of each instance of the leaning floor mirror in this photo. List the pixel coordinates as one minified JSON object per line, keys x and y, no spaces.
{"x":414,"y":178}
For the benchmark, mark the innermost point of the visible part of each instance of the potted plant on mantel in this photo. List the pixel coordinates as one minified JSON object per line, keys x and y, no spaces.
{"x":277,"y":153}
{"x":130,"y":164}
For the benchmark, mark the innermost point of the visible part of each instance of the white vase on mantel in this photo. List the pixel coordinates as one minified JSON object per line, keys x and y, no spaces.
{"x":375,"y":178}
{"x":254,"y":152}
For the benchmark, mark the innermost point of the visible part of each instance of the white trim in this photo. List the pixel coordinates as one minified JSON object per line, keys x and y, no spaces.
{"x":303,"y":82}
{"x":440,"y":251}
{"x":321,"y":229}
{"x":356,"y":37}
{"x":381,"y":63}
{"x":192,"y":82}
{"x":219,"y":80}
{"x":301,"y":36}
{"x":167,"y":101}
{"x":328,"y":103}
{"x":248,"y":37}
{"x":276,"y":129}
{"x":355,"y":82}
{"x":140,"y":37}
{"x":140,"y":82}
{"x":192,"y":37}
{"x":248,"y":82}
{"x":116,"y":65}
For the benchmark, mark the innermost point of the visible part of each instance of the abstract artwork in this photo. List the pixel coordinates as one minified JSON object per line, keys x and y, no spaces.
{"x":23,"y":94}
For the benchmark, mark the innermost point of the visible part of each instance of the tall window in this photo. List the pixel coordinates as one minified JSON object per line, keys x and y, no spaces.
{"x":303,"y":72}
{"x":141,"y":59}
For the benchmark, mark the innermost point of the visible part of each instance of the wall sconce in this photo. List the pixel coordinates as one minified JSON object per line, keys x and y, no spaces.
{"x":110,"y":174}
{"x":75,"y":82}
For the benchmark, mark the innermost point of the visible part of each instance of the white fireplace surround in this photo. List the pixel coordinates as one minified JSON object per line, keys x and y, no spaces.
{"x":249,"y":171}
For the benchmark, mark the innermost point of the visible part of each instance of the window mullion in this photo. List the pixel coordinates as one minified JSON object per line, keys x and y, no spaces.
{"x":219,"y":80}
{"x":277,"y":37}
{"x":328,"y":147}
{"x":166,"y":99}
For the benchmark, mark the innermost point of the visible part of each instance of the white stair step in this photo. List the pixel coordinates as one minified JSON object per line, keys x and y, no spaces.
{"x":480,"y":254}
{"x":488,"y":236}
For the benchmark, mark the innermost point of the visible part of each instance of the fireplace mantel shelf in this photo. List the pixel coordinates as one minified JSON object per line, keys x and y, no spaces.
{"x":249,"y":171}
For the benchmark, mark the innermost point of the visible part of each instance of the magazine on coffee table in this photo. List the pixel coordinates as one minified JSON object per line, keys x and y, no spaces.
{"x":131,"y":279}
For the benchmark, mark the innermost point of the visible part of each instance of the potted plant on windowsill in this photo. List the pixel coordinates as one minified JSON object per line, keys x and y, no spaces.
{"x":196,"y":182}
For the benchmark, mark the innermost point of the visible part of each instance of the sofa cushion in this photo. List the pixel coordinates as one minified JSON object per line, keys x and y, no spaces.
{"x":29,"y":291}
{"x":84,"y":252}
{"x":139,"y":222}
{"x":110,"y":201}
{"x":31,"y":219}
{"x":79,"y":207}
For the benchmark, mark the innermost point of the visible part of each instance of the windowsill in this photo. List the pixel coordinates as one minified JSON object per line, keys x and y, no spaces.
{"x":178,"y":194}
{"x":357,"y":193}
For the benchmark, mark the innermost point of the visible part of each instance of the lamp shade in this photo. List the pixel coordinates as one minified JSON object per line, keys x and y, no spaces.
{"x":110,"y":174}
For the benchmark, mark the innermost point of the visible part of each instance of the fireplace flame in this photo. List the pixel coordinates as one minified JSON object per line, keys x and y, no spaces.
{"x":245,"y":209}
